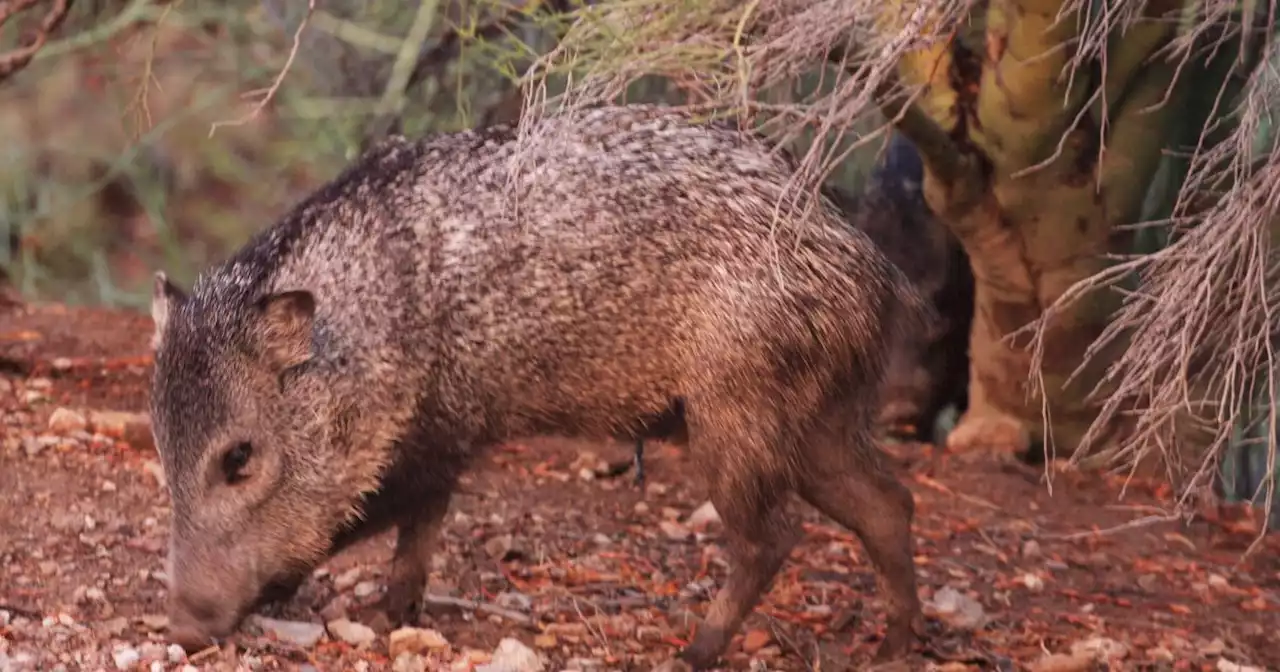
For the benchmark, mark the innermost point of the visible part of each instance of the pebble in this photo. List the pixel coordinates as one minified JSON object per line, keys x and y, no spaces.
{"x":514,"y":601}
{"x":347,"y":580}
{"x":601,"y":539}
{"x":65,"y":421}
{"x":108,"y":486}
{"x":125,"y":658}
{"x":703,"y":516}
{"x":302,"y":633}
{"x":365,"y":589}
{"x":355,"y":634}
{"x":408,"y":662}
{"x":1031,"y":549}
{"x":154,"y":622}
{"x":175,"y":653}
{"x":1101,"y":648}
{"x":512,"y":656}
{"x":675,"y":531}
{"x":958,"y":609}
{"x":1033,"y":583}
{"x":414,"y":640}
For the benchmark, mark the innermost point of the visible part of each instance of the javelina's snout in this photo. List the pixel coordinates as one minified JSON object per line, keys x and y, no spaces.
{"x":207,"y":603}
{"x":197,"y":618}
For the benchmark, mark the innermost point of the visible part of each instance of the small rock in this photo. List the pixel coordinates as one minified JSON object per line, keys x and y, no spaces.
{"x":584,"y":664}
{"x":755,"y":640}
{"x":1031,"y":549}
{"x":347,"y":580}
{"x":365,"y":589}
{"x":601,"y":539}
{"x":108,"y":486}
{"x":514,"y":601}
{"x":154,"y":622}
{"x":675,"y":531}
{"x":502,"y":547}
{"x":1160,"y":654}
{"x":1218,"y":582}
{"x":958,"y":609}
{"x":355,"y":634}
{"x":1101,"y":648}
{"x":512,"y":656}
{"x":1033,"y":583}
{"x":649,"y":633}
{"x":33,"y":446}
{"x":125,"y":658}
{"x":415,"y":640}
{"x":64,"y":421}
{"x":1061,"y":662}
{"x":1225,"y":665}
{"x":61,"y":363}
{"x":703,"y":516}
{"x":641,"y":509}
{"x":302,"y":633}
{"x":175,"y":653}
{"x":408,"y":662}
{"x":113,"y":627}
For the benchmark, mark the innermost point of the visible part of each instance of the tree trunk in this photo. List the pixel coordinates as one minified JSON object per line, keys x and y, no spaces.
{"x":1035,"y":200}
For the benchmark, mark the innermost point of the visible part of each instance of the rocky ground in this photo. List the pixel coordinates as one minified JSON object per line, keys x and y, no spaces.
{"x":548,"y":566}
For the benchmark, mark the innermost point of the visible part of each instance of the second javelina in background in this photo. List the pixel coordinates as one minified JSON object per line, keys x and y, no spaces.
{"x":617,"y":274}
{"x":931,"y":372}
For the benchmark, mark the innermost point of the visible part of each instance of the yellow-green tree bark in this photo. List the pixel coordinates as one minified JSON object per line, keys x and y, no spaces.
{"x":1045,"y":173}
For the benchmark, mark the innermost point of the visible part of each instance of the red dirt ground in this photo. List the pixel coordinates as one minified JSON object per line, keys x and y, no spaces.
{"x":593,"y":573}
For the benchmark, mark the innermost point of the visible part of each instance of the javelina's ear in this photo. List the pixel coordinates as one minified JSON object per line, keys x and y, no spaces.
{"x":285,"y":328}
{"x":165,"y":298}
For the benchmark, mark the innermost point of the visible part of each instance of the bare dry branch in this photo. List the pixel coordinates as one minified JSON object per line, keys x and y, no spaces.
{"x":16,"y":59}
{"x":270,"y":93}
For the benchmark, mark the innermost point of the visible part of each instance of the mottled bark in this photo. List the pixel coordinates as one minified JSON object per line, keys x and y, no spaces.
{"x":1036,"y":200}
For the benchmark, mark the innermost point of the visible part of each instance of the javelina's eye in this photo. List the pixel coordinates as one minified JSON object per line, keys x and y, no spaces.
{"x":235,"y":460}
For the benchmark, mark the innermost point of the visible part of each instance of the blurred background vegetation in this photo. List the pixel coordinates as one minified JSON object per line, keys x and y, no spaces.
{"x":109,"y":170}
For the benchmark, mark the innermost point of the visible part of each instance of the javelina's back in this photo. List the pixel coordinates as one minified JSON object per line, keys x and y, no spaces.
{"x":619,"y":273}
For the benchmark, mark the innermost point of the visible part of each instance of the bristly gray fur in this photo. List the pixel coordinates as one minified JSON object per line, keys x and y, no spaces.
{"x":644,"y":273}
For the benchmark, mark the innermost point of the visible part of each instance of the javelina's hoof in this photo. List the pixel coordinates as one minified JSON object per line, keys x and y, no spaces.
{"x":899,"y":640}
{"x":674,"y":665}
{"x":400,"y":606}
{"x":190,"y":638}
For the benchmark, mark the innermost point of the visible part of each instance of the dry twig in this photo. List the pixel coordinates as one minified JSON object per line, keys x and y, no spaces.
{"x":270,"y":93}
{"x":16,"y":59}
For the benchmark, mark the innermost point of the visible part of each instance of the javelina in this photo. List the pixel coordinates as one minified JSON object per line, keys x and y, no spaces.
{"x":928,"y":373}
{"x":336,"y":375}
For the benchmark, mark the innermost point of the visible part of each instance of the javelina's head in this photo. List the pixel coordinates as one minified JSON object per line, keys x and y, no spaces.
{"x":245,"y":429}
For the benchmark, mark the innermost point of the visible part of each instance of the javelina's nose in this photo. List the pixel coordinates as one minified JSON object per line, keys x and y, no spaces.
{"x":194,"y":622}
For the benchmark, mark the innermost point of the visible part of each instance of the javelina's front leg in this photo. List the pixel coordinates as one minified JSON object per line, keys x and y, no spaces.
{"x":417,"y":536}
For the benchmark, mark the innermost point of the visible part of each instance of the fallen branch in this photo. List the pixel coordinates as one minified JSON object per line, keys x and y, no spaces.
{"x":482,"y":607}
{"x":16,"y":59}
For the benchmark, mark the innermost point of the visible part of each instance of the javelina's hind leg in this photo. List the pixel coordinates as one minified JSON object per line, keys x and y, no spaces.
{"x":416,"y":540}
{"x":759,"y":536}
{"x":848,"y":480}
